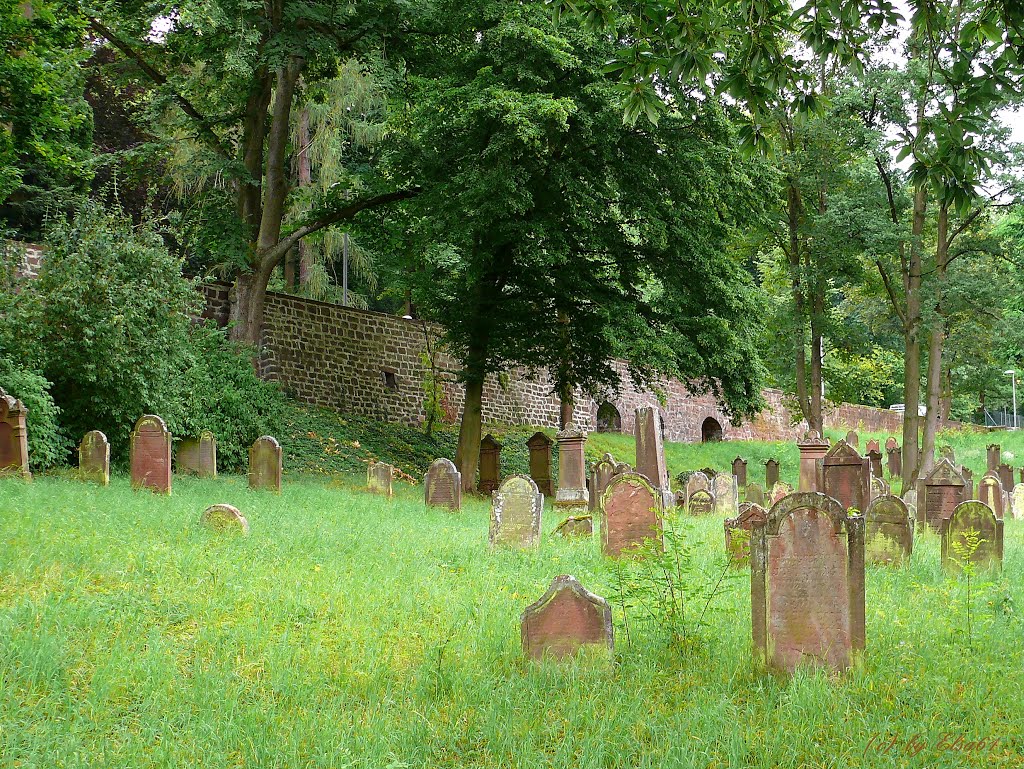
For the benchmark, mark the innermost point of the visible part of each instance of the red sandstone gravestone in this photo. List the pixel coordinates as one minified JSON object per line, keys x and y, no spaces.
{"x":771,"y":473}
{"x":807,"y":585}
{"x":853,"y":440}
{"x":889,"y":537}
{"x":151,"y":455}
{"x":540,"y":463}
{"x":265,"y":464}
{"x":977,"y":517}
{"x":565,"y":619}
{"x":1005,"y":473}
{"x":378,"y":478}
{"x":650,"y":451}
{"x":875,"y":463}
{"x":894,"y":461}
{"x":697,"y":482}
{"x":846,"y":477}
{"x":779,"y":491}
{"x":572,"y":469}
{"x":943,"y":491}
{"x":738,"y":531}
{"x":812,"y":448}
{"x":601,"y":473}
{"x":13,"y":437}
{"x":442,"y":485}
{"x":992,"y":455}
{"x":632,"y":513}
{"x":94,"y":458}
{"x":224,"y":518}
{"x":490,"y":464}
{"x":516,"y":508}
{"x":739,"y":470}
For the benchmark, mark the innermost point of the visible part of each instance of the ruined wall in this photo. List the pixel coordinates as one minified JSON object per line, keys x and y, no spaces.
{"x":374,"y":364}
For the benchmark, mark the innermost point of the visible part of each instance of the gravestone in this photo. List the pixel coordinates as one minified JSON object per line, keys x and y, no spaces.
{"x":13,"y":437}
{"x":872,"y":445}
{"x":697,"y":482}
{"x":1017,"y":501}
{"x":992,"y":454}
{"x":94,"y":458}
{"x":378,"y":478}
{"x":572,"y":469}
{"x":727,"y":496}
{"x":601,"y":472}
{"x":650,"y":450}
{"x":879,"y":488}
{"x":265,"y":464}
{"x":779,"y":491}
{"x":990,"y":491}
{"x":576,"y":526}
{"x":846,"y":477}
{"x":771,"y":473}
{"x":633,"y":509}
{"x":910,"y":500}
{"x":565,"y":619}
{"x":754,"y":494}
{"x":889,"y":536}
{"x":1005,"y":473}
{"x":224,"y":518}
{"x":516,"y":508}
{"x":978,"y":517}
{"x":700,"y":502}
{"x":943,"y":491}
{"x":198,"y":456}
{"x":894,"y":462}
{"x":739,"y":470}
{"x":622,"y":467}
{"x":891,"y":443}
{"x":946,"y":452}
{"x":807,"y":584}
{"x":875,"y":463}
{"x":853,"y":440}
{"x":812,"y":448}
{"x":490,"y":465}
{"x":968,"y":475}
{"x":709,"y":473}
{"x":442,"y":485}
{"x":151,"y":455}
{"x":738,"y":531}
{"x":540,"y":463}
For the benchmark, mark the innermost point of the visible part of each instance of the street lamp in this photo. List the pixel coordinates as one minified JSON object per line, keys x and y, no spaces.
{"x":1012,"y":373}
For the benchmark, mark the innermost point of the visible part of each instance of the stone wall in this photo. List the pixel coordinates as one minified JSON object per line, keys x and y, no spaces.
{"x":31,"y":258}
{"x":375,"y":364}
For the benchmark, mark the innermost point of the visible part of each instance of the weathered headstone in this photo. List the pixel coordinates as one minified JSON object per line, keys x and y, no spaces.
{"x":968,"y":517}
{"x":739,"y":470}
{"x":650,"y":451}
{"x":601,"y":472}
{"x":565,"y":619}
{"x":1017,"y":501}
{"x":910,"y":500}
{"x":150,"y":450}
{"x":94,"y":458}
{"x":891,"y":443}
{"x":738,"y":531}
{"x":697,"y":482}
{"x":968,"y":475}
{"x":572,"y":469}
{"x":516,"y":508}
{"x":853,"y":440}
{"x":224,"y":518}
{"x":875,"y":463}
{"x":700,"y":502}
{"x":943,"y":491}
{"x":490,"y":464}
{"x":890,"y":531}
{"x":13,"y":437}
{"x":442,"y":485}
{"x":727,"y":496}
{"x":846,"y":477}
{"x":812,"y":448}
{"x":633,"y":510}
{"x":807,"y":584}
{"x":990,"y":491}
{"x":198,"y":456}
{"x":378,"y":478}
{"x":265,"y":464}
{"x":779,"y":491}
{"x":879,"y":488}
{"x":771,"y":473}
{"x":709,"y":472}
{"x":754,"y":494}
{"x":992,"y":454}
{"x":576,"y":526}
{"x":540,"y":463}
{"x":1005,"y":473}
{"x":894,"y":461}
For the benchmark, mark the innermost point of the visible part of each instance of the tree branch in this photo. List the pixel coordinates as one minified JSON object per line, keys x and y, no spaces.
{"x":893,"y":299}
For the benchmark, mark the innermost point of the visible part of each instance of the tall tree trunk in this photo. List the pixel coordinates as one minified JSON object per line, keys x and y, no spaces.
{"x":467,"y":456}
{"x":912,"y":343}
{"x":305,"y":179}
{"x":816,"y":420}
{"x":794,"y":211}
{"x":935,"y":343}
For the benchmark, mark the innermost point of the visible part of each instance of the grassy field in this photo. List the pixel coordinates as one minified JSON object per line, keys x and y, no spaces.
{"x":352,"y":631}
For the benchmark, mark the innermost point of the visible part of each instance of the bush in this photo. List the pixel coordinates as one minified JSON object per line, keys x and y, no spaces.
{"x":47,"y":444}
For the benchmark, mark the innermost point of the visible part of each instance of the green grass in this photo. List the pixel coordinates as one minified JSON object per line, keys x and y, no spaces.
{"x":352,"y":631}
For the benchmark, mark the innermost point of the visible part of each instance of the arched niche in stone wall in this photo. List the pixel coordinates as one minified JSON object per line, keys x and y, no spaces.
{"x":711,"y":431}
{"x":609,"y":420}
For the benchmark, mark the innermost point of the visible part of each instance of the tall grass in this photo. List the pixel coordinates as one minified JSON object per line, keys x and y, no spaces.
{"x":352,"y":631}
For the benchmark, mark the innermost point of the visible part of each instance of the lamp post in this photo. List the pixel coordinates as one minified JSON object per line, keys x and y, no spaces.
{"x":1012,"y":373}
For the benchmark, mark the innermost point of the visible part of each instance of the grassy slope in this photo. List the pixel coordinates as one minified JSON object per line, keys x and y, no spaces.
{"x":349,"y":630}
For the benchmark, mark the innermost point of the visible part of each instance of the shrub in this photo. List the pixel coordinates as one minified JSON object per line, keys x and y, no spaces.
{"x":47,"y":444}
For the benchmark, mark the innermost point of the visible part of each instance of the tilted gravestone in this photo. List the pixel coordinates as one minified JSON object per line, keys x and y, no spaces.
{"x":516,"y":508}
{"x":846,"y":477}
{"x":727,"y":496}
{"x":977,"y":518}
{"x":738,"y":531}
{"x":567,"y":618}
{"x":224,"y":518}
{"x":633,"y":510}
{"x":266,"y":465}
{"x":490,"y":464}
{"x":13,"y":437}
{"x":889,"y":537}
{"x":812,"y":448}
{"x":650,"y":450}
{"x":601,"y":473}
{"x":150,"y":450}
{"x":442,"y":485}
{"x":992,"y":455}
{"x":943,"y":491}
{"x":771,"y":473}
{"x":754,"y":494}
{"x":576,"y":526}
{"x":700,"y":502}
{"x":739,"y":470}
{"x":779,"y":491}
{"x":1005,"y":473}
{"x":94,"y":458}
{"x":198,"y":456}
{"x":572,"y":469}
{"x":1017,"y":501}
{"x":378,"y":478}
{"x":853,"y":440}
{"x":807,"y":584}
{"x":540,"y":463}
{"x":894,"y":461}
{"x":990,"y":491}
